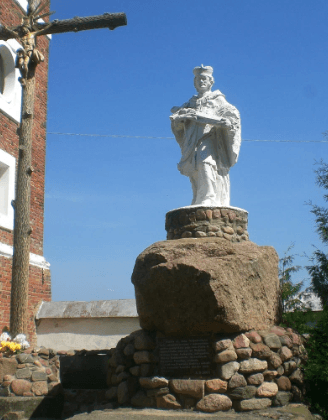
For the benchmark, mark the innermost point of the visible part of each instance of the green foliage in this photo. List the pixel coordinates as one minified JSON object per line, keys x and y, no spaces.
{"x":319,"y":268}
{"x":290,"y":292}
{"x":316,"y":367}
{"x":295,"y":313}
{"x":300,"y":321}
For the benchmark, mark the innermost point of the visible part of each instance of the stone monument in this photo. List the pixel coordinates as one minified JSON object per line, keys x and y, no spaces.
{"x":207,"y":297}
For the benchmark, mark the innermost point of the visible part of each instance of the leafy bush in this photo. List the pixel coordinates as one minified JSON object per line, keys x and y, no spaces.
{"x":319,"y":270}
{"x":316,"y":367}
{"x":300,"y":321}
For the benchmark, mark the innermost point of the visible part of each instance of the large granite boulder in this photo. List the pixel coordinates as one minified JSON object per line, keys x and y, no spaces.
{"x":206,"y":285}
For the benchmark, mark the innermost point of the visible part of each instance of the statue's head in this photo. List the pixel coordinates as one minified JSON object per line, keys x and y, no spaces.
{"x":204,"y":79}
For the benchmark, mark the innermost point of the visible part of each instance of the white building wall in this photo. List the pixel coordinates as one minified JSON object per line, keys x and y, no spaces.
{"x":80,"y":333}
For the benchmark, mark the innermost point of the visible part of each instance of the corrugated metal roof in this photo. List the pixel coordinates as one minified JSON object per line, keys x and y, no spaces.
{"x":94,"y":309}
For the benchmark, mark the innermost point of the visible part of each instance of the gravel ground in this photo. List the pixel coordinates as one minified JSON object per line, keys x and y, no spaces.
{"x":291,"y":412}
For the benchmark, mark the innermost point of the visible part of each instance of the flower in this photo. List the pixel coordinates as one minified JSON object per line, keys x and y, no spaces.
{"x":5,"y":337}
{"x":10,"y":345}
{"x":25,"y":345}
{"x":19,"y":338}
{"x":19,"y":343}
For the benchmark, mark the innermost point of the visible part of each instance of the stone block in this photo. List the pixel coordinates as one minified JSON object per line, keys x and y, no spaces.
{"x":168,"y":401}
{"x":25,"y":358}
{"x":135,"y":370}
{"x":111,"y":393}
{"x":285,"y":354}
{"x":216,"y":385}
{"x":272,"y":341}
{"x":241,"y":341}
{"x":39,"y":376}
{"x":40,"y":388}
{"x":213,"y":403}
{"x":19,"y":386}
{"x":289,"y":367}
{"x":24,"y":373}
{"x":297,"y":377}
{"x":191,"y":387}
{"x":143,"y":341}
{"x":269,"y":375}
{"x":227,"y":370}
{"x":284,"y":383}
{"x":260,"y":350}
{"x":154,"y":382}
{"x":267,"y":389}
{"x":157,"y":392}
{"x":286,"y":341}
{"x":7,"y":367}
{"x":253,"y":365}
{"x":244,"y":353}
{"x":243,"y":393}
{"x":140,"y":399}
{"x":225,"y":344}
{"x":279,"y":331}
{"x":143,"y":356}
{"x":225,"y":356}
{"x":213,"y":271}
{"x":146,"y":369}
{"x":129,"y":350}
{"x":237,"y":381}
{"x":253,"y":404}
{"x":254,"y":337}
{"x":123,"y":393}
{"x":282,"y":398}
{"x":274,"y":361}
{"x":255,"y":379}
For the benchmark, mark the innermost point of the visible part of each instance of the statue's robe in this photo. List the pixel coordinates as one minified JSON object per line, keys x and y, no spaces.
{"x":208,"y":150}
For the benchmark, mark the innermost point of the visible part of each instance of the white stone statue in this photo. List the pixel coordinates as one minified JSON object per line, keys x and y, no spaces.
{"x":208,"y":131}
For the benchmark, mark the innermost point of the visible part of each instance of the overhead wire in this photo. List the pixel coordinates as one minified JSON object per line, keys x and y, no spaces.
{"x":171,"y":138}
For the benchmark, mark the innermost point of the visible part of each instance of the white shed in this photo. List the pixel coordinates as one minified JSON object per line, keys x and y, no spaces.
{"x":85,"y":325}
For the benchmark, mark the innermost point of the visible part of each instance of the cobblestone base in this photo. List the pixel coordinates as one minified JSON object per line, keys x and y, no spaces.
{"x":33,"y":373}
{"x":197,"y":222}
{"x":251,"y":371}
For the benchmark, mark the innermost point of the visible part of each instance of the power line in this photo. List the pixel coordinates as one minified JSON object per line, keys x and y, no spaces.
{"x":171,"y":138}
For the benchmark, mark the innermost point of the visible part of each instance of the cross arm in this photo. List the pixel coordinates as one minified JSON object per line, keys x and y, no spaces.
{"x":107,"y":20}
{"x":6,"y":33}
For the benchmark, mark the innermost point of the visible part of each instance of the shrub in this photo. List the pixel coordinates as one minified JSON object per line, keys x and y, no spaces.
{"x":316,"y":367}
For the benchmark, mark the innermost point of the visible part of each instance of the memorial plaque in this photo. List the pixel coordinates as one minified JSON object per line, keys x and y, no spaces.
{"x":185,"y":357}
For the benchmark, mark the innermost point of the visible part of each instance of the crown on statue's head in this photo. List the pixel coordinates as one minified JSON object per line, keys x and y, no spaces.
{"x":205,"y":70}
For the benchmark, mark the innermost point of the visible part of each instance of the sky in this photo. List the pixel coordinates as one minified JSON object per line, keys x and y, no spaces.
{"x":106,"y":197}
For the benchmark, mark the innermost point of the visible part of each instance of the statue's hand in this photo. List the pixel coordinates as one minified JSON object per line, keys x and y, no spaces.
{"x":186,"y":114}
{"x":225,"y":123}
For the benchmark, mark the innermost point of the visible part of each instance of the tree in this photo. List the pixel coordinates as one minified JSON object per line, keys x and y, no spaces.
{"x":295,"y":305}
{"x":290,"y":298}
{"x":316,"y":367}
{"x":319,"y":268}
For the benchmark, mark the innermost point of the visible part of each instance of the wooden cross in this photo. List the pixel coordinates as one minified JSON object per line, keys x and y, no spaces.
{"x":27,"y":60}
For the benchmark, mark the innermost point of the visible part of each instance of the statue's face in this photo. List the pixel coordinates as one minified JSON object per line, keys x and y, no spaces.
{"x":202,"y":83}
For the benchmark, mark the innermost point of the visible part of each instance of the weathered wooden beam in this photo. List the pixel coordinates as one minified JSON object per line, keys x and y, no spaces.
{"x":6,"y":33}
{"x":22,"y":228}
{"x":77,"y":24}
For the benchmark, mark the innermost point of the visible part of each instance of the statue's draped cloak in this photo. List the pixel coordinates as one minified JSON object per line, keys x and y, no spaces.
{"x":191,"y":135}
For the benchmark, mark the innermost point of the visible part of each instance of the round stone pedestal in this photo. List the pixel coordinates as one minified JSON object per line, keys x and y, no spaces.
{"x":201,"y":221}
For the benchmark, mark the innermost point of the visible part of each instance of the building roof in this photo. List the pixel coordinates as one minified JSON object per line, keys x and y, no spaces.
{"x":94,"y":309}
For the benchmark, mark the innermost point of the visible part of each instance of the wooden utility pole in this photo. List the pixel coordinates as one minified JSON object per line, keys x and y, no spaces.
{"x":27,"y":60}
